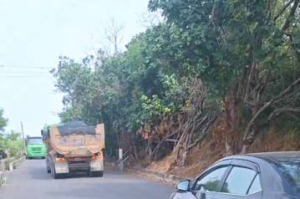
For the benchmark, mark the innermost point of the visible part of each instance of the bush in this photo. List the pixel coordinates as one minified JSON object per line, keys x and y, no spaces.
{"x":12,"y":144}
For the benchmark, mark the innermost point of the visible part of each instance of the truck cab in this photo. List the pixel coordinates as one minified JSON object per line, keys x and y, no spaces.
{"x":35,"y":148}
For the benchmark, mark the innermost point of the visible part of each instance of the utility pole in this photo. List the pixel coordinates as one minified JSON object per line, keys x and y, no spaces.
{"x":23,"y":138}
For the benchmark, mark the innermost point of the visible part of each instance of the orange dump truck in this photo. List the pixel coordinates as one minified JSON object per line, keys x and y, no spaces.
{"x":74,"y":147}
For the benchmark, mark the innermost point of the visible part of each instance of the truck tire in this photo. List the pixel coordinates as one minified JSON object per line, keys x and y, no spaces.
{"x":48,"y":168}
{"x":96,"y":174}
{"x":55,"y":175}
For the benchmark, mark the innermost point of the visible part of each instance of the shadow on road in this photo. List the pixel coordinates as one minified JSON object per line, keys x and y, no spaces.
{"x":112,"y":188}
{"x":40,"y":173}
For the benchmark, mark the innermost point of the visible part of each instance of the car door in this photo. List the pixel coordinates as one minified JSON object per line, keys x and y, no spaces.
{"x":242,"y":181}
{"x":210,"y":182}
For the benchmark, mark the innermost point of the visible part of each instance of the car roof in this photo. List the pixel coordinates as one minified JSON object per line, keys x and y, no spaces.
{"x":264,"y":161}
{"x":277,"y":156}
{"x":268,"y":156}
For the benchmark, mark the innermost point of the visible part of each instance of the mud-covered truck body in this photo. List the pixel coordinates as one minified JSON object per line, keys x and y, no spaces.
{"x":73,"y":147}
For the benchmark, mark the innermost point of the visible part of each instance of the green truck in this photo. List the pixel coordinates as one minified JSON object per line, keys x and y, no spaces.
{"x":35,"y":147}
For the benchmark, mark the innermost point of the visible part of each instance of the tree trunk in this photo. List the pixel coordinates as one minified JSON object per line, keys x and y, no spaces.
{"x":245,"y":148}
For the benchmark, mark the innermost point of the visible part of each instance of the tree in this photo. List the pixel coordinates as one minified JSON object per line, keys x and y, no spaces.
{"x":3,"y":121}
{"x":245,"y":51}
{"x":237,"y":59}
{"x":151,"y":19}
{"x":11,"y":143}
{"x":114,"y":35}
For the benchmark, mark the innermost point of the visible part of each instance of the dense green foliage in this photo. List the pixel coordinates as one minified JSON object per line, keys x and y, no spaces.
{"x":246,"y":52}
{"x":9,"y":142}
{"x":3,"y":121}
{"x":12,"y":143}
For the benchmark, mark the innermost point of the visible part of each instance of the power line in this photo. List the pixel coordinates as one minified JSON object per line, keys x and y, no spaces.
{"x":33,"y":67}
{"x":23,"y":75}
{"x":23,"y":72}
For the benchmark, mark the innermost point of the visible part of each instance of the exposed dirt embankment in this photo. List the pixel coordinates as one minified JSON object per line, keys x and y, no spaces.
{"x":213,"y":148}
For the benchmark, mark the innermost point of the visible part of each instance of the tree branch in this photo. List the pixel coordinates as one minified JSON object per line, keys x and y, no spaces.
{"x":203,"y":133}
{"x":283,"y":9}
{"x":294,"y":48}
{"x":282,"y":110}
{"x":267,"y":105}
{"x":292,"y":13}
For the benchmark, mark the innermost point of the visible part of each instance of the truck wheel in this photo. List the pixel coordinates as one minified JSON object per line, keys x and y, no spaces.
{"x":96,"y":174}
{"x":54,"y":174}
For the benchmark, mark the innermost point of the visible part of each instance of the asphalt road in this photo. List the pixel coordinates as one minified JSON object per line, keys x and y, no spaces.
{"x":31,"y":181}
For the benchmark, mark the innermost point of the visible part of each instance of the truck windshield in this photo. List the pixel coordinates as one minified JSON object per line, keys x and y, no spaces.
{"x":33,"y":141}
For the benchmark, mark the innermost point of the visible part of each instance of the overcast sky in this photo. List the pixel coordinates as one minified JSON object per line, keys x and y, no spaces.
{"x":34,"y":33}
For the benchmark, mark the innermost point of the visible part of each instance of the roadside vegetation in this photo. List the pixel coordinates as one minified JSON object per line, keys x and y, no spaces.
{"x":222,"y":70}
{"x":11,"y":144}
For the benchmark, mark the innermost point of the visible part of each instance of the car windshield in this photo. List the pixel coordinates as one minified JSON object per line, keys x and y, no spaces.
{"x":290,"y":169}
{"x":35,"y":141}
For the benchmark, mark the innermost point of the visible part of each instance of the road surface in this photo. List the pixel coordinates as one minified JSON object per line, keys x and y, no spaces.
{"x":31,"y":181}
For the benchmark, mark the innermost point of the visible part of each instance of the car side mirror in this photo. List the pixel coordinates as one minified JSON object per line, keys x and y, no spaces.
{"x":184,"y":185}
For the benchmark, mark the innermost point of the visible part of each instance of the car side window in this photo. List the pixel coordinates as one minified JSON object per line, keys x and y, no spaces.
{"x":255,"y":186}
{"x":239,"y":181}
{"x":211,"y":180}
